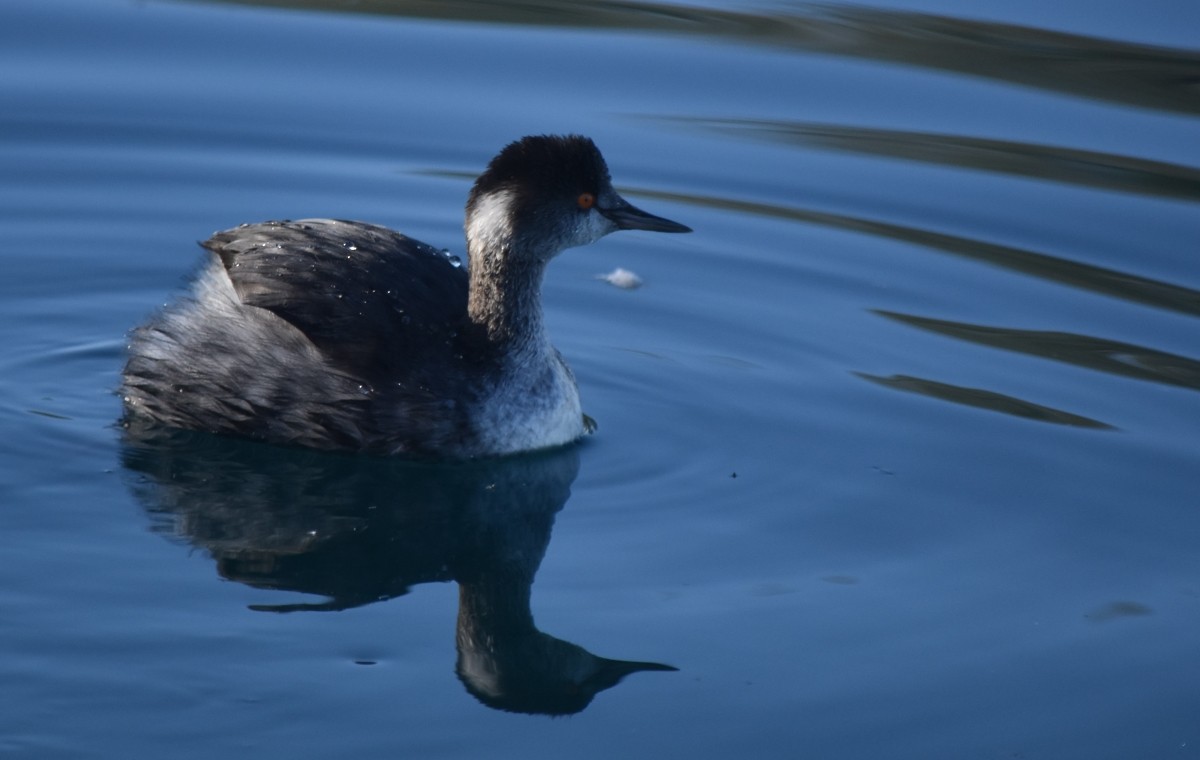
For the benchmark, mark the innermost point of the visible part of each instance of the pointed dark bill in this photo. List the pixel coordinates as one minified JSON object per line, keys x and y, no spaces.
{"x":629,"y":217}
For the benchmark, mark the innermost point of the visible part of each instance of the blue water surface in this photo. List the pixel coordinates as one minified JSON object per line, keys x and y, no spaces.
{"x":897,"y":453}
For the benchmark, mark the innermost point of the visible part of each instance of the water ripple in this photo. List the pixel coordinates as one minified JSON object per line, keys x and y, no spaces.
{"x":1140,"y":75}
{"x":981,"y":398}
{"x":1113,"y":357}
{"x":1089,"y":277}
{"x":1105,"y":171}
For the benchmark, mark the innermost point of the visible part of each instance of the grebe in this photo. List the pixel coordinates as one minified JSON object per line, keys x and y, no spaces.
{"x":346,"y":335}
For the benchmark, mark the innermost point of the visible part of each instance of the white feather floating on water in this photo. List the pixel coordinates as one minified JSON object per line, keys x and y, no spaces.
{"x":621,"y":278}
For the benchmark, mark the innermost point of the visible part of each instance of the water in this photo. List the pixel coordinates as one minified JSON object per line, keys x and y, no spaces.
{"x":896,"y":454}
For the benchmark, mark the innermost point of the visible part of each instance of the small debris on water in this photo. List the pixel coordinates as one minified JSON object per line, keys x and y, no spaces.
{"x":621,"y":278}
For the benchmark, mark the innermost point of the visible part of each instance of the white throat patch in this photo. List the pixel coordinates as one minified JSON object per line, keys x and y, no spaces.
{"x":490,"y":223}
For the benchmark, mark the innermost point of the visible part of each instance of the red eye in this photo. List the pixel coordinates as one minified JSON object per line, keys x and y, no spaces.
{"x":586,"y":200}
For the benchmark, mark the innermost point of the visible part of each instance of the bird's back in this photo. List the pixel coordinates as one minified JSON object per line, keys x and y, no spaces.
{"x":318,"y":332}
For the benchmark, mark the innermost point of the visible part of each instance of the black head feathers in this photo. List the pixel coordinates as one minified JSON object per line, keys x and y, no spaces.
{"x":562,"y":166}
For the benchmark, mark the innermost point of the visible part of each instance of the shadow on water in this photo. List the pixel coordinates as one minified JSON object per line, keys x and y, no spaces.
{"x":1089,"y":67}
{"x":358,"y":530}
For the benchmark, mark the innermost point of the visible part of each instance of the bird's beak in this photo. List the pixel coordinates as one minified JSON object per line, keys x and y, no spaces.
{"x":629,"y":217}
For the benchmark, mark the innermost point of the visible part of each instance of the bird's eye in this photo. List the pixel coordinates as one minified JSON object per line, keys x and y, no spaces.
{"x":586,"y":201}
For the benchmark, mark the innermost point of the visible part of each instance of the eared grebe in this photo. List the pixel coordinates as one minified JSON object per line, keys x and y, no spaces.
{"x":346,"y":335}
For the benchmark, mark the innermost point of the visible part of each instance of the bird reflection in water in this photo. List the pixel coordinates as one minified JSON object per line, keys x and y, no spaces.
{"x":357,"y":530}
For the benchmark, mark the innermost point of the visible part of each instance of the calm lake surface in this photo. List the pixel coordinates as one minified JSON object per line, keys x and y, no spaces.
{"x":898,"y":454}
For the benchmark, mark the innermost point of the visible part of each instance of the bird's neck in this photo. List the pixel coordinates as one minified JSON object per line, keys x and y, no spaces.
{"x":505,"y":296}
